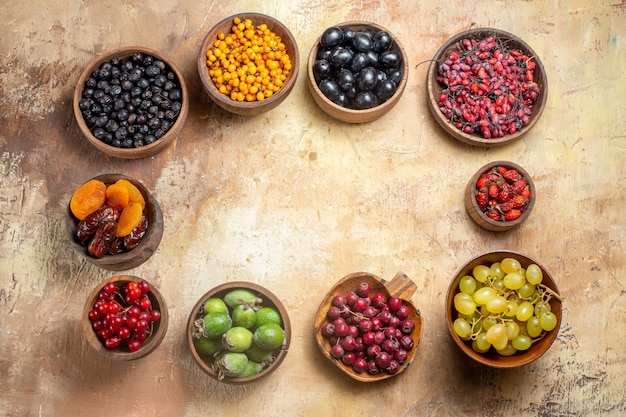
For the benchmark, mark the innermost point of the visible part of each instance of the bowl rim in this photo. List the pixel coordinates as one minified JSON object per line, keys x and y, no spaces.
{"x":267,"y":295}
{"x":492,"y":359}
{"x":475,"y":211}
{"x":248,"y":107}
{"x":144,"y":151}
{"x":125,"y":260}
{"x":540,"y":75}
{"x":150,"y":345}
{"x":356,"y":115}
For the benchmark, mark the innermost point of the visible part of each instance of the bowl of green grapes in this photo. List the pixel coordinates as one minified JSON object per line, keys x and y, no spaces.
{"x":503,"y":309}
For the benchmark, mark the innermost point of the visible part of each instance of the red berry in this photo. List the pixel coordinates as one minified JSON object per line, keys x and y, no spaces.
{"x":394,"y":303}
{"x":482,"y":198}
{"x":493,"y":190}
{"x":145,"y":303}
{"x":512,"y":215}
{"x":144,"y":286}
{"x":134,"y":345}
{"x":363,"y":290}
{"x":112,"y":342}
{"x":518,"y":201}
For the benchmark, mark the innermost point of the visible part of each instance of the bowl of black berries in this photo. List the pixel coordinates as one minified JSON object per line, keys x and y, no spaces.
{"x":357,"y":71}
{"x":131,"y":102}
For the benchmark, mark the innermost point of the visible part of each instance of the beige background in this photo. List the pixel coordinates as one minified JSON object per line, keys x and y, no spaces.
{"x":294,"y":200}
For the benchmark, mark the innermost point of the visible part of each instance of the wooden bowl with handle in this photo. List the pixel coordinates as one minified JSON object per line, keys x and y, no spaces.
{"x":399,"y":286}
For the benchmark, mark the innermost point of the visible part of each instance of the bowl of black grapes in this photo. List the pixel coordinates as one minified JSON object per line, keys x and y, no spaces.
{"x":357,"y":71}
{"x":131,"y":102}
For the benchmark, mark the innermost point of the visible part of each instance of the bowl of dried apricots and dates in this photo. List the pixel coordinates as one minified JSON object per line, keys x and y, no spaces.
{"x":125,"y":318}
{"x":367,"y":327}
{"x":486,"y":87}
{"x":114,"y":222}
{"x":503,"y":309}
{"x":357,"y":71}
{"x":131,"y":102}
{"x":248,"y":63}
{"x":500,"y":196}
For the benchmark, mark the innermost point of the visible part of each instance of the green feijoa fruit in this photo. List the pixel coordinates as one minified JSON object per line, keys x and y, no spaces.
{"x":244,"y":315}
{"x":269,"y":336}
{"x":257,"y":354}
{"x":230,"y":364}
{"x":215,"y":305}
{"x":251,"y":369}
{"x":241,"y":296}
{"x":216,"y":324}
{"x":268,"y":315}
{"x":206,"y":346}
{"x":237,"y":339}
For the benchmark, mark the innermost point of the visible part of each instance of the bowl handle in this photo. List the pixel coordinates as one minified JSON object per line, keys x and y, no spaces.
{"x":401,"y":286}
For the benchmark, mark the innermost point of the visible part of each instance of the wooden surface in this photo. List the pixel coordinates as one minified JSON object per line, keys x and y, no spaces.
{"x":294,"y":201}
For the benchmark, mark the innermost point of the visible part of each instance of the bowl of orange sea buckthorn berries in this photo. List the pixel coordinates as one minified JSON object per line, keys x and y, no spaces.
{"x":248,"y":63}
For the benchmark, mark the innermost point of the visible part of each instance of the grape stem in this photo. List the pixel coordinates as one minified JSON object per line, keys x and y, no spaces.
{"x":551,"y":292}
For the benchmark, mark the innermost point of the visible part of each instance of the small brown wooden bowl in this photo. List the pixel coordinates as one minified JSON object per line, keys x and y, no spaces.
{"x":121,"y":352}
{"x":140,"y":152}
{"x":479,"y":216}
{"x":137,"y":256}
{"x":435,"y":88}
{"x":400,"y":286}
{"x":351,"y":115}
{"x":251,"y":108}
{"x":492,"y":358}
{"x":269,"y":300}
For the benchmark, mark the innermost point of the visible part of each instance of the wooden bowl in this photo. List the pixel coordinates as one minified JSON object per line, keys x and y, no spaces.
{"x":400,"y":286}
{"x":122,"y":352}
{"x":139,"y":152}
{"x":492,"y":358}
{"x":474,"y":210}
{"x":135,"y":257}
{"x":251,"y":108}
{"x":269,"y":300}
{"x":435,"y":88}
{"x":351,"y":115}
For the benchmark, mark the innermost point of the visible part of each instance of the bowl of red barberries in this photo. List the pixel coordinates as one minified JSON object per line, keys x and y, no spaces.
{"x":131,"y":102}
{"x":486,"y":87}
{"x":114,"y":222}
{"x":500,"y":196}
{"x":368,"y":327}
{"x":125,"y":318}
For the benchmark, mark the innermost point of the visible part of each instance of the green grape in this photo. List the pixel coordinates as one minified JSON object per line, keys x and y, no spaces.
{"x":501,"y":344}
{"x":510,"y":265}
{"x":527,"y":290}
{"x":467,"y":284}
{"x":489,"y":322}
{"x":512,"y":329}
{"x":462,"y":328}
{"x":508,"y":349}
{"x":477,"y":348}
{"x":542,"y":307}
{"x":481,"y":273}
{"x":521,"y":342}
{"x":481,"y":342}
{"x":511,"y":308}
{"x":481,"y":296}
{"x":495,"y":333}
{"x":524,"y":311}
{"x":548,"y":321}
{"x":498,"y":284}
{"x":497,"y":304}
{"x":496,"y":270}
{"x":534,"y":274}
{"x":483,"y":310}
{"x":464,"y":303}
{"x":523,"y":272}
{"x":533,"y":327}
{"x":513,"y":280}
{"x":522,"y":327}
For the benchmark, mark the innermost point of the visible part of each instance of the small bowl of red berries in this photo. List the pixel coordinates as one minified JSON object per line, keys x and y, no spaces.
{"x":486,"y":87}
{"x":125,"y":318}
{"x":368,"y":327}
{"x":500,"y":196}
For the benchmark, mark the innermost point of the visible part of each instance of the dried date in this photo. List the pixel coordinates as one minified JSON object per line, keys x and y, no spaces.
{"x":102,"y":240}
{"x":132,"y":240}
{"x":88,"y":226}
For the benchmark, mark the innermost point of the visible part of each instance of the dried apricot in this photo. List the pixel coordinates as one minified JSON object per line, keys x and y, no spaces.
{"x":88,"y":198}
{"x":129,"y":219}
{"x":117,"y":196}
{"x":134,"y":194}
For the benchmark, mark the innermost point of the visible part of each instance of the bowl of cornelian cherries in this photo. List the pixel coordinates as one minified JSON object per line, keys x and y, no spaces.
{"x":500,"y":196}
{"x":114,"y":222}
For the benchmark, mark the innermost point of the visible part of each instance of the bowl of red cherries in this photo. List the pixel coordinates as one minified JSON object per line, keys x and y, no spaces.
{"x":125,"y":318}
{"x":368,"y":327}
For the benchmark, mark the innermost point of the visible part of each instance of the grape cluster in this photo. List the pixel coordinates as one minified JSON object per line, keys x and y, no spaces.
{"x":124,"y":318}
{"x":369,"y":332}
{"x":503,"y":306}
{"x":131,"y":102}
